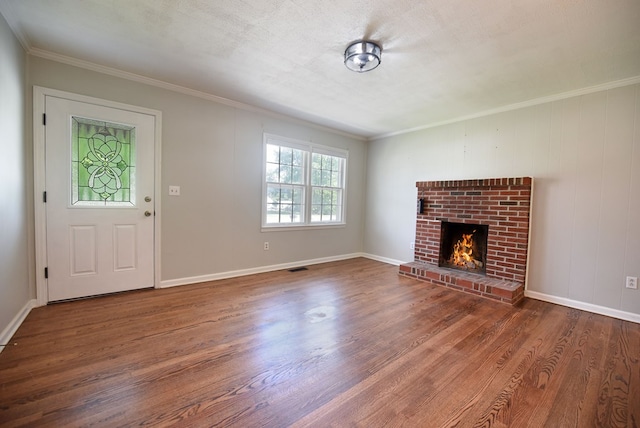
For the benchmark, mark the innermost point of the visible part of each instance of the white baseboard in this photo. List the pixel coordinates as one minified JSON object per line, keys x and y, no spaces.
{"x":252,"y":271}
{"x":383,"y":259}
{"x":596,"y":309}
{"x":10,"y":330}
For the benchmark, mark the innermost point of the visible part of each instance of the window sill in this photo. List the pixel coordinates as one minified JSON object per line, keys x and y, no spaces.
{"x":282,"y":228}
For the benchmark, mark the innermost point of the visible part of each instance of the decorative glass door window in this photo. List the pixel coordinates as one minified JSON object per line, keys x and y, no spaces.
{"x":102,"y":163}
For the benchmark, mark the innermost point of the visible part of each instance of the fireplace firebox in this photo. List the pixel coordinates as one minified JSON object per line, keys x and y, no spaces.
{"x":463,"y":246}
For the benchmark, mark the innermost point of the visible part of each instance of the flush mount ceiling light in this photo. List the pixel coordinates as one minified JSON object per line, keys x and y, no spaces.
{"x":362,"y":56}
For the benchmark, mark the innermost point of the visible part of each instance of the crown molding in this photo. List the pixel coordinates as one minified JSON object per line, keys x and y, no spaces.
{"x":248,"y":107}
{"x":87,"y":65}
{"x":516,"y":106}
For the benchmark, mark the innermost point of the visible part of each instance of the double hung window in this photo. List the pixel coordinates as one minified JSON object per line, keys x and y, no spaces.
{"x":304,"y":183}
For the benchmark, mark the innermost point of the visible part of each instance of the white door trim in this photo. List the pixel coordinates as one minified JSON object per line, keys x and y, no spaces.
{"x":39,"y":94}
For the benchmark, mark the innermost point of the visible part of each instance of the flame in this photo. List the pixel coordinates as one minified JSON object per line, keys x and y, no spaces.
{"x":463,"y":253}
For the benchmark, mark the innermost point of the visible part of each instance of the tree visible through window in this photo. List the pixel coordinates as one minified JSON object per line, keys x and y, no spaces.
{"x":304,"y":184}
{"x":285,"y":184}
{"x":326,"y":185}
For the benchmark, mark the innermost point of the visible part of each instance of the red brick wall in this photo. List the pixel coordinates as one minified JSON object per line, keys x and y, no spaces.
{"x":502,"y":203}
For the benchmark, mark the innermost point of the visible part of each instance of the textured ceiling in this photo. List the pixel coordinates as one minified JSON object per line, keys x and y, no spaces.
{"x":442,"y":59}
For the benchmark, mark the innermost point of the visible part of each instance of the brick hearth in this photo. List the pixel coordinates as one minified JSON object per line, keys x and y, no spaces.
{"x":504,"y":205}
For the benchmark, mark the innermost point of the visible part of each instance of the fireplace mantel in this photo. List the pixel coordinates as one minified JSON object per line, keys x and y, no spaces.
{"x":504,"y":204}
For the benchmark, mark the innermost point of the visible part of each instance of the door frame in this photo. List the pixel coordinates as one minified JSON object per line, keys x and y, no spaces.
{"x":39,"y":180}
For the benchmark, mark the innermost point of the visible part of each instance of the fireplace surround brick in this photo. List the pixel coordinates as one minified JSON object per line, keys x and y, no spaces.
{"x":504,"y":205}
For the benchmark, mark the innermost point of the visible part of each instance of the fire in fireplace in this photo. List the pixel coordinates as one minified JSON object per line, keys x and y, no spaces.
{"x":463,"y":246}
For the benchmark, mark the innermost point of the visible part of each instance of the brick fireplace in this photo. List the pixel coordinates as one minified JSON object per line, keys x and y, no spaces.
{"x":502,"y":207}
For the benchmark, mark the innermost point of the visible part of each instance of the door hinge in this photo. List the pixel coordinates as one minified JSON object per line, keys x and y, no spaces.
{"x":44,"y":119}
{"x":44,"y":196}
{"x":46,"y":273}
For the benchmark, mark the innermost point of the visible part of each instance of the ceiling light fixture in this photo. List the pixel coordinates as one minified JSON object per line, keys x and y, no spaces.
{"x":362,"y":56}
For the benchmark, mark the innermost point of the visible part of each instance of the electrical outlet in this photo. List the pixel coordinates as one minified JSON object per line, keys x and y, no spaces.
{"x":174,"y":190}
{"x":266,"y":246}
{"x":632,"y":282}
{"x":412,"y":245}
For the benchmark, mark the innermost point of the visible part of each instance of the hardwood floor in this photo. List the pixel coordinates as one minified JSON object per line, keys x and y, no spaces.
{"x":348,"y":343}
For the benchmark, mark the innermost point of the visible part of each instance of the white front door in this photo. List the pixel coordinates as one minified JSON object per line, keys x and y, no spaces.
{"x":99,"y":177}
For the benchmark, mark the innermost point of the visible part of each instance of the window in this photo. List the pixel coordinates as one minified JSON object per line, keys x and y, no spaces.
{"x":103,"y":163}
{"x":304,"y":183}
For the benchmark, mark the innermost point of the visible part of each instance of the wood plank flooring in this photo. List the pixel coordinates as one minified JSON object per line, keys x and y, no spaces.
{"x":349,"y":343}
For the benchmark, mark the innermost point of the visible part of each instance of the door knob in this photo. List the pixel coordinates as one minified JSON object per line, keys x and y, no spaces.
{"x":147,"y":213}
{"x":147,"y":199}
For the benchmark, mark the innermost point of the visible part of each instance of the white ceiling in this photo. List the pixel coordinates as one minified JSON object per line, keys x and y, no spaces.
{"x":441,"y":60}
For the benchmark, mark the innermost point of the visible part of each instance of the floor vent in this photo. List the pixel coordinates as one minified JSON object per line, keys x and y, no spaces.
{"x":298,"y":269}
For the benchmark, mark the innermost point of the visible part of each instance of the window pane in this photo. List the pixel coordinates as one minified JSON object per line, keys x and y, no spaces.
{"x":316,"y":176}
{"x":286,"y":213}
{"x":326,"y":205}
{"x":285,"y":174}
{"x":298,"y":158}
{"x":286,"y":195}
{"x":298,"y":213}
{"x":273,"y":213}
{"x":286,"y":156}
{"x":326,"y":171}
{"x":297,"y":176}
{"x":273,"y":193}
{"x":273,"y":172}
{"x":335,"y":179}
{"x":273,"y":153}
{"x":327,"y":197}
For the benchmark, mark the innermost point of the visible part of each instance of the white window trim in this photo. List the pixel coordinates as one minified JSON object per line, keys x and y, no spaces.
{"x":310,"y":148}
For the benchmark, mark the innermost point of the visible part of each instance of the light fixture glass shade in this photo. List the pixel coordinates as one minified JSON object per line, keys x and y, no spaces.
{"x":362,"y":56}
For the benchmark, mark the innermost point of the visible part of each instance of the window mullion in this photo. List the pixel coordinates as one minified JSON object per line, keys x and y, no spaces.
{"x":307,"y":187}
